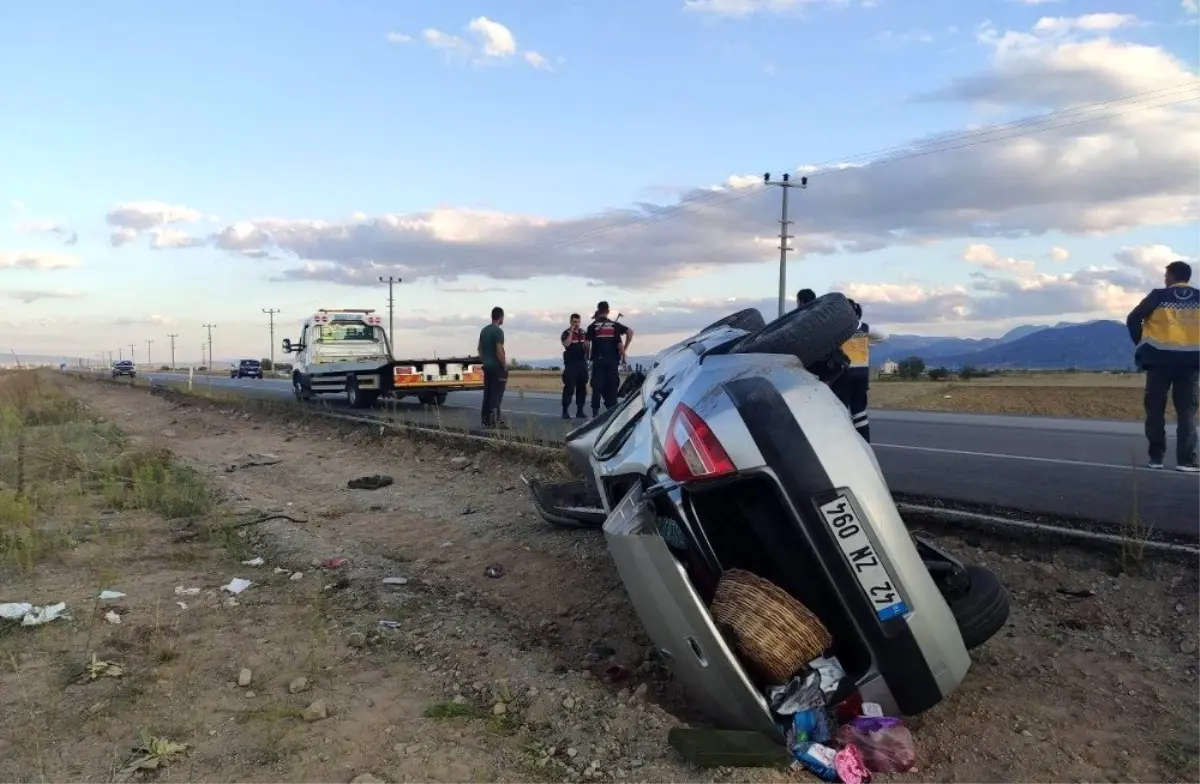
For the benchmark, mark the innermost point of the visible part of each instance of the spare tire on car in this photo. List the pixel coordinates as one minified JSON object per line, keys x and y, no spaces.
{"x":810,"y":333}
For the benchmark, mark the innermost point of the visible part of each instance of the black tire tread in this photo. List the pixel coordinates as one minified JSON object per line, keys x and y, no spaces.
{"x":810,"y":333}
{"x":749,"y":319}
{"x":983,"y":610}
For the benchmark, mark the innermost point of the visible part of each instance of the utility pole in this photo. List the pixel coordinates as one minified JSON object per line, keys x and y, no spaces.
{"x":271,"y":315}
{"x":785,"y":185}
{"x":149,"y":364}
{"x":132,"y":358}
{"x":391,"y":281}
{"x":209,"y":327}
{"x":172,"y":337}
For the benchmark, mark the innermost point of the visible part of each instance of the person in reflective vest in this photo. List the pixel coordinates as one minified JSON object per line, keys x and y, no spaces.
{"x":575,"y":368}
{"x":853,"y":386}
{"x":1165,"y":326}
{"x":609,"y":340}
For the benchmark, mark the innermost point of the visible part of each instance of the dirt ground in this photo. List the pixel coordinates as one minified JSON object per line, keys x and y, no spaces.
{"x":481,"y":678}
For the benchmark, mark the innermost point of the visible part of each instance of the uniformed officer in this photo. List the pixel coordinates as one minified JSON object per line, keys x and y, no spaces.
{"x":1166,"y":328}
{"x":609,"y":341}
{"x":853,"y":385}
{"x":575,"y":368}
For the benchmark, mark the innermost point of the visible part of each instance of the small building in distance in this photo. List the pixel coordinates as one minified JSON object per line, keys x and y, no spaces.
{"x":889,"y":368}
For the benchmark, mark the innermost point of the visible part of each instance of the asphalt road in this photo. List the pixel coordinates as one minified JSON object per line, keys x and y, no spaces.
{"x":1065,"y":469}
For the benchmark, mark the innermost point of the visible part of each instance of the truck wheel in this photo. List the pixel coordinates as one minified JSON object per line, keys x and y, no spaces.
{"x":298,"y":388}
{"x":810,"y":333}
{"x":432,"y":399}
{"x":982,"y":610}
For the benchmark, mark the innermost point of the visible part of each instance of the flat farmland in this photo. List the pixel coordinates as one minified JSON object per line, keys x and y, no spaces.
{"x":1111,"y":396}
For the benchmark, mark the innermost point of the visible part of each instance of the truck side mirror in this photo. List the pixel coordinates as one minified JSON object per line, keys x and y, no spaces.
{"x":287,"y":346}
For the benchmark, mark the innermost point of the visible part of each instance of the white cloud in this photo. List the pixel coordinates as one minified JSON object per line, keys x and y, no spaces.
{"x":17,"y":205}
{"x":1150,"y":261}
{"x":1125,"y":171}
{"x":129,"y":219}
{"x":37,"y":260}
{"x":1059,"y":254}
{"x":53,"y":228}
{"x":1092,"y":23}
{"x":152,"y":320}
{"x":987,"y":257}
{"x":892,"y":39}
{"x":742,"y":8}
{"x":399,"y":38}
{"x":122,"y":236}
{"x":1190,"y":7}
{"x":490,"y":42}
{"x":163,"y":237}
{"x":29,"y":296}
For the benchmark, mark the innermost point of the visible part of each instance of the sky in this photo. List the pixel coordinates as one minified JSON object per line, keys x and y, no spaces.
{"x":971,"y":166}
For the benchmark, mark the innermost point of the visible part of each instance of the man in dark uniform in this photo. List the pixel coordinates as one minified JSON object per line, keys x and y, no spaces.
{"x":853,"y":386}
{"x":1166,"y":328}
{"x":609,"y":341}
{"x":575,"y":369}
{"x":805,"y":296}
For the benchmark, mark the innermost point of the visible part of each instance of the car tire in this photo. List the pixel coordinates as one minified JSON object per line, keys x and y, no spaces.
{"x":982,"y":610}
{"x":749,"y":319}
{"x":298,"y":388}
{"x":810,"y":333}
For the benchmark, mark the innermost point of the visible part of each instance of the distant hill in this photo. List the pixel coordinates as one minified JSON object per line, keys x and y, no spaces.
{"x":1097,"y":345}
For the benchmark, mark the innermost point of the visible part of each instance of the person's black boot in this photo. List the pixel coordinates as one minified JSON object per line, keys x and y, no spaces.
{"x":566,"y":414}
{"x":579,"y":414}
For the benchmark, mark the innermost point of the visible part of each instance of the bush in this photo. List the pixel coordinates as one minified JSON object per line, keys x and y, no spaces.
{"x":968,"y":373}
{"x":939,"y":374}
{"x":910,"y":368}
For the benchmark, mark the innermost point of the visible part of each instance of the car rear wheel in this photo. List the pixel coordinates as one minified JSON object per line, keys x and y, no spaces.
{"x":810,"y":333}
{"x":749,"y":319}
{"x":981,"y":610}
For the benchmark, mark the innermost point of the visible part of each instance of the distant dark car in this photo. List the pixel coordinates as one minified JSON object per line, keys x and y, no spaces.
{"x":247,"y":368}
{"x":124,"y":368}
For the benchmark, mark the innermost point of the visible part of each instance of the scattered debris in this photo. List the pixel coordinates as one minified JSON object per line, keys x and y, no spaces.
{"x":102,"y":669}
{"x":236,"y":585}
{"x":31,"y":615}
{"x":1082,"y":594}
{"x":395,"y":581}
{"x":108,"y":596}
{"x":253,"y":461}
{"x":256,"y":561}
{"x":296,"y":576}
{"x":245,"y":676}
{"x":297,"y":685}
{"x":374,"y":482}
{"x":390,"y":624}
{"x":494,"y":571}
{"x":469,"y":510}
{"x":112,"y":617}
{"x":181,"y":591}
{"x":333,"y":563}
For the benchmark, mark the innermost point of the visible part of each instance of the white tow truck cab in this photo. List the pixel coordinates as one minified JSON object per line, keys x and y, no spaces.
{"x":347,"y":352}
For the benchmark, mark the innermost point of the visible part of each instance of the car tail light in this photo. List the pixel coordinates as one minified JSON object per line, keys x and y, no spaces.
{"x":693,"y":451}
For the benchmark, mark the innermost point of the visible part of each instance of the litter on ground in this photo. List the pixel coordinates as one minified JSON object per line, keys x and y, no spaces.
{"x":31,"y":615}
{"x":236,"y":585}
{"x":111,"y":595}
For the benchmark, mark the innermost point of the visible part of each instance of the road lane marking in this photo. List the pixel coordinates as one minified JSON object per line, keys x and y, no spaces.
{"x":1026,"y":458}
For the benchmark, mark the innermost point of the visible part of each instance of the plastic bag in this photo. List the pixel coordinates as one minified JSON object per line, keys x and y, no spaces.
{"x":811,"y":725}
{"x":886,"y":744}
{"x":800,"y":693}
{"x":817,"y":759}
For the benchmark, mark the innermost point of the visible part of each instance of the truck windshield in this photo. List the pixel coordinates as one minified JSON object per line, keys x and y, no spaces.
{"x":346,"y":332}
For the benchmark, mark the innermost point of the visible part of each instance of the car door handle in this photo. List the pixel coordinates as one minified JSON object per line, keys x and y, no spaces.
{"x":697,"y":651}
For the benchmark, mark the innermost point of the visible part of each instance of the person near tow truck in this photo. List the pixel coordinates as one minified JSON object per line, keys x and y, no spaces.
{"x":575,"y":367}
{"x":609,"y":341}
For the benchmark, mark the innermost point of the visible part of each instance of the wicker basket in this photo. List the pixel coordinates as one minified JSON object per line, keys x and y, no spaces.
{"x":768,"y":627}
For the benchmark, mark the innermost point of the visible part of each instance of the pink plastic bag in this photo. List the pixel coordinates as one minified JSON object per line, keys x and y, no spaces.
{"x":886,"y":744}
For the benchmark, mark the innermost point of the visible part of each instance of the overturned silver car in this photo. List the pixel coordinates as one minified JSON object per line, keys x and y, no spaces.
{"x":732,"y":453}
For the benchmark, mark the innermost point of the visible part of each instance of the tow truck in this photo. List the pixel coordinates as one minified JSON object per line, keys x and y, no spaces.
{"x":346,"y":351}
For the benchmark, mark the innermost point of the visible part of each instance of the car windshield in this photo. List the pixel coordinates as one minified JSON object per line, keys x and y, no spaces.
{"x":249,"y":362}
{"x":124,"y":363}
{"x":347,"y":331}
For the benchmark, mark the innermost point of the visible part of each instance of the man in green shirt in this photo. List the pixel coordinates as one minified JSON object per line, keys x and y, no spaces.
{"x":495,"y":368}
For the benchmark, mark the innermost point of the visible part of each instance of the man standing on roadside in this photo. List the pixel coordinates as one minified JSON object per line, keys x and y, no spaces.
{"x":609,"y":341}
{"x":495,"y":369}
{"x":1165,"y":326}
{"x":575,"y":369}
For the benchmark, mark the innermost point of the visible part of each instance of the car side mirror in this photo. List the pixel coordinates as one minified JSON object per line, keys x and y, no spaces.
{"x":287,"y":346}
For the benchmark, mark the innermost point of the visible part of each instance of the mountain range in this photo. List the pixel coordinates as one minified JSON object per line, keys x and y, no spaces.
{"x":1093,"y":345}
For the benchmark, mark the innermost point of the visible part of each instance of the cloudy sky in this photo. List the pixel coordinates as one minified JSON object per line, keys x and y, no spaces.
{"x":972,"y":165}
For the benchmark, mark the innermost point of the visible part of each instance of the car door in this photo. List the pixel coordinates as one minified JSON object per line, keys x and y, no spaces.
{"x":676,"y":619}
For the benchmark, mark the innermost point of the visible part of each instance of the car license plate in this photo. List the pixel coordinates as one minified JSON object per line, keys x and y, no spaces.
{"x":868,"y":569}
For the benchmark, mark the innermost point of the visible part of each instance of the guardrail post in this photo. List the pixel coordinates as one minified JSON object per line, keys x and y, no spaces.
{"x":191,"y":371}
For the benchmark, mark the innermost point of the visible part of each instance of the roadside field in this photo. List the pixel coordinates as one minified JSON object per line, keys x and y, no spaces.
{"x":475,"y":677}
{"x":1067,"y":395}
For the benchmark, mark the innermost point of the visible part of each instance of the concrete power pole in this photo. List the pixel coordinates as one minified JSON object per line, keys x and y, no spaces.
{"x":149,"y":364}
{"x":172,"y":337}
{"x":271,"y":315}
{"x":785,"y":185}
{"x":209,"y":327}
{"x":131,"y":356}
{"x":391,"y":281}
